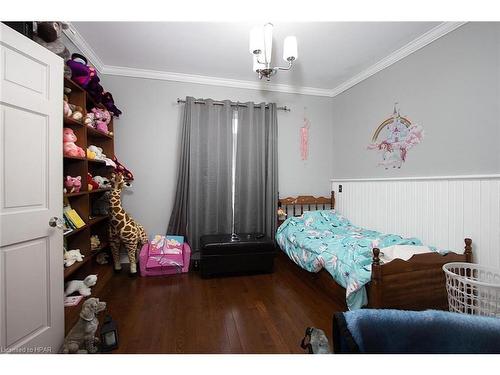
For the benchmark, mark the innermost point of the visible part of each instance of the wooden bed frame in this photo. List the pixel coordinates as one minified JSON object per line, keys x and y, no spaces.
{"x":415,"y":284}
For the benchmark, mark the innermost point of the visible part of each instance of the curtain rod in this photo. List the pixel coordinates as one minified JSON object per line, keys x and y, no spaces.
{"x":285,"y":108}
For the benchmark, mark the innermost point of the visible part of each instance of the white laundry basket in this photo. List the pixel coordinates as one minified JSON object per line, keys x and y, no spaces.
{"x":473,"y":289}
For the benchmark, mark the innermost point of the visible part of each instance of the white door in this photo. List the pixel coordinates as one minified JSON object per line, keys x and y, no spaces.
{"x":31,"y":255}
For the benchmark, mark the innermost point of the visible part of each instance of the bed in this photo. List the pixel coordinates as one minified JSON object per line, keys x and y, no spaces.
{"x":417,"y":283}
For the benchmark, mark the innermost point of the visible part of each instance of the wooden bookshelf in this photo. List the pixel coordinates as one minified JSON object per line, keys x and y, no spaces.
{"x":83,"y":201}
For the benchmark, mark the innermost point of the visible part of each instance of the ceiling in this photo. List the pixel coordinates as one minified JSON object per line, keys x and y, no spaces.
{"x":330,"y":53}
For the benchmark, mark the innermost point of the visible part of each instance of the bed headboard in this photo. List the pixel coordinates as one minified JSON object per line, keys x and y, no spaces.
{"x":295,"y":206}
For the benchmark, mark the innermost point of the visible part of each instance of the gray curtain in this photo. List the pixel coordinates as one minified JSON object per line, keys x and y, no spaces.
{"x":203,"y":194}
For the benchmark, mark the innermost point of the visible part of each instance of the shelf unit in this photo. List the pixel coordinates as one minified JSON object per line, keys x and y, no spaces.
{"x":83,"y":201}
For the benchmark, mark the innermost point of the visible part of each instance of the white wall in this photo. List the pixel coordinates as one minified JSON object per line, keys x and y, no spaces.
{"x":147,"y":135}
{"x":440,"y":212}
{"x":450,"y":87}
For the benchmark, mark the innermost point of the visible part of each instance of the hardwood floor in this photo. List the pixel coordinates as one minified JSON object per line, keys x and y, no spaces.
{"x":242,"y":314}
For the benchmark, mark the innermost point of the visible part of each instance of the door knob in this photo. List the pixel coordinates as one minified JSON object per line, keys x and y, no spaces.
{"x":56,"y":222}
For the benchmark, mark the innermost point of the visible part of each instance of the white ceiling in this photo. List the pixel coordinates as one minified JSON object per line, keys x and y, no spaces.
{"x":330,"y":53}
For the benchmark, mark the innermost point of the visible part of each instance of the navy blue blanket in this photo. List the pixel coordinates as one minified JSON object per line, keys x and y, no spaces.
{"x":424,"y":332}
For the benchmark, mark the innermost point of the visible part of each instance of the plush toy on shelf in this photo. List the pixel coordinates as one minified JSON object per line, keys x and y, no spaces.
{"x":95,"y":242}
{"x":69,"y":146}
{"x":73,"y":184}
{"x":102,"y":118}
{"x":89,"y":120}
{"x":102,"y":258}
{"x":103,"y":182}
{"x":100,"y":206}
{"x":80,"y":286}
{"x":48,"y":34}
{"x":99,"y":154}
{"x":72,"y":256}
{"x":92,"y":184}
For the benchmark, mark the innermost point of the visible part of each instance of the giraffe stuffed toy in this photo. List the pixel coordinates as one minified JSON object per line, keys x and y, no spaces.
{"x":123,"y":230}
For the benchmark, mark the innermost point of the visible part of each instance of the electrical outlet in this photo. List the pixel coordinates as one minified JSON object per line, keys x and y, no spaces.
{"x":340,"y":188}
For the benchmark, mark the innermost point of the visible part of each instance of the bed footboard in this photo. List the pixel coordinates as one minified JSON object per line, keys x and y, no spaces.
{"x":415,"y":284}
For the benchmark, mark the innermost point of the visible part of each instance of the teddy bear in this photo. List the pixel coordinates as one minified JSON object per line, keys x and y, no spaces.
{"x":48,"y":34}
{"x":80,"y":286}
{"x":99,"y":155}
{"x":73,"y":184}
{"x":72,"y":256}
{"x":100,"y":206}
{"x":69,"y":146}
{"x":92,"y":184}
{"x":103,"y":182}
{"x":102,"y":258}
{"x":102,"y":118}
{"x":95,"y":242}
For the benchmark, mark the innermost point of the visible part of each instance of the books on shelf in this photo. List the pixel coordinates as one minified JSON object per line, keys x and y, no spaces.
{"x":72,"y":218}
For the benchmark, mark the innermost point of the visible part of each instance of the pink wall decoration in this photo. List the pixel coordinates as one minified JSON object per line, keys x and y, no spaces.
{"x":394,"y":137}
{"x":304,"y":139}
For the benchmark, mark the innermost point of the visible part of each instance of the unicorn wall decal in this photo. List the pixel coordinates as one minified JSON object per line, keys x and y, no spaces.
{"x":397,"y":135}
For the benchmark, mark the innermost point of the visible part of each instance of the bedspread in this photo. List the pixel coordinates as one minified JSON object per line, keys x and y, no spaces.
{"x":325,"y":239}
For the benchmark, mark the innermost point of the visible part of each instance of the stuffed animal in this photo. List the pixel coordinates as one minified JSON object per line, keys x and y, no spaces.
{"x":91,"y":183}
{"x":66,"y":109}
{"x":315,"y":341}
{"x":69,"y":146}
{"x":89,"y":120}
{"x":48,"y":34}
{"x":95,"y":242}
{"x":80,"y":286}
{"x":102,"y":119}
{"x":100,"y":206}
{"x":99,"y":155}
{"x":72,"y":256}
{"x":73,"y":184}
{"x":81,"y":73}
{"x":120,"y":168}
{"x":102,"y":258}
{"x":103,"y":182}
{"x":81,"y":338}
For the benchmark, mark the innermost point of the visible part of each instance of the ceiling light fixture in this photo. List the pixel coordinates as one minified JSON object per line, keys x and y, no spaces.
{"x":261,"y":46}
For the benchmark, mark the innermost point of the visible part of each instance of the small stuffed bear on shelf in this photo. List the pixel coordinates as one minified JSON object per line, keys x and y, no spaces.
{"x":80,"y":286}
{"x":72,"y":256}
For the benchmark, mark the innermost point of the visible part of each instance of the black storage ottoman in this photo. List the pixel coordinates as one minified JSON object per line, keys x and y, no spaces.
{"x":251,"y":253}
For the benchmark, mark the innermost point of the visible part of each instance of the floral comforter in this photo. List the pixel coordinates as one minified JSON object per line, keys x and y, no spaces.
{"x":325,"y":239}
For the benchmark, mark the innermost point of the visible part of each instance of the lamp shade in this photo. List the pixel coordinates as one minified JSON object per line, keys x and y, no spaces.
{"x":290,"y":49}
{"x":256,"y":40}
{"x":268,"y":42}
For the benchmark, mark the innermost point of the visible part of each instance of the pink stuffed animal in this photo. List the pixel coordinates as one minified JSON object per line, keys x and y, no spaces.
{"x":69,"y":146}
{"x":102,"y":118}
{"x":73,"y":184}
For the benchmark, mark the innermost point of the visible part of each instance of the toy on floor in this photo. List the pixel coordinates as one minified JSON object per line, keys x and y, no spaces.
{"x":69,"y":146}
{"x":72,"y":256}
{"x":102,"y":258}
{"x":123,"y":230}
{"x":72,"y":184}
{"x":165,"y":255}
{"x":81,"y":338}
{"x":315,"y":341}
{"x":95,"y":242}
{"x":80,"y":286}
{"x":100,"y":206}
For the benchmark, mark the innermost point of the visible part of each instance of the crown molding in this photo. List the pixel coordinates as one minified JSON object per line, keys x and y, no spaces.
{"x":77,"y":39}
{"x":213,"y":81}
{"x":413,"y":46}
